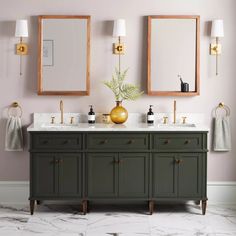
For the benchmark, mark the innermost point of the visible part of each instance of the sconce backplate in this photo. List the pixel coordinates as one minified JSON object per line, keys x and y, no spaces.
{"x":21,"y":49}
{"x":118,"y":48}
{"x":215,"y":49}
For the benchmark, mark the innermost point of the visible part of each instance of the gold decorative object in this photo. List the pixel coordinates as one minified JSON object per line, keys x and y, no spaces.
{"x":119,"y":114}
{"x":106,"y":119}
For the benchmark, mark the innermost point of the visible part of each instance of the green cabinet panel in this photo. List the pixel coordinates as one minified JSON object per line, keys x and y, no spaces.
{"x":44,"y":172}
{"x":189,"y":175}
{"x":102,"y":173}
{"x":70,"y":178}
{"x":133,"y":175}
{"x":164,"y":181}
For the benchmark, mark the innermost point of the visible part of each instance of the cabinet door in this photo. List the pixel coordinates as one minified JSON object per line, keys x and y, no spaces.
{"x":133,"y":175}
{"x":44,"y":171}
{"x":164,"y":173}
{"x":189,"y":175}
{"x":102,"y":171}
{"x":70,"y":174}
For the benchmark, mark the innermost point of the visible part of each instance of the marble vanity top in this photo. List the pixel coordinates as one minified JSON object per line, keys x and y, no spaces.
{"x":136,"y":122}
{"x":113,"y":127}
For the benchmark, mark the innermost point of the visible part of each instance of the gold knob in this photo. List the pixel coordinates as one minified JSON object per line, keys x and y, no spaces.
{"x":167,"y":141}
{"x":71,"y":120}
{"x":56,"y":161}
{"x":53,"y":120}
{"x":165,"y":118}
{"x":187,"y":141}
{"x":184,"y":119}
{"x":131,"y":141}
{"x":104,"y":141}
{"x":178,"y":161}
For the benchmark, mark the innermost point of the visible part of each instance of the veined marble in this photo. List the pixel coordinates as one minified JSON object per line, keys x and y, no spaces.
{"x":136,"y":122}
{"x":58,"y":220}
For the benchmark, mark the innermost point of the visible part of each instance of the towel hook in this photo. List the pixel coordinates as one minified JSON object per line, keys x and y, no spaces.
{"x":14,"y":105}
{"x":223,"y":106}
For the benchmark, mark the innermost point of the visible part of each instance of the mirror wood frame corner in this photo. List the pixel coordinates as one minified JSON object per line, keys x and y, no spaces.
{"x":155,"y":92}
{"x":69,"y":92}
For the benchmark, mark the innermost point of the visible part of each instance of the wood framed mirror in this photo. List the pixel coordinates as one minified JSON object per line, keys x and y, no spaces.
{"x":173,"y":52}
{"x":63,"y":55}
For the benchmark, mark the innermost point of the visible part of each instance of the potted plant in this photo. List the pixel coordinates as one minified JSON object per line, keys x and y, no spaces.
{"x":122,"y":91}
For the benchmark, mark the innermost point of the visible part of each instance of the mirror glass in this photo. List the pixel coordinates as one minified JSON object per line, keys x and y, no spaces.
{"x":64,"y":55}
{"x":173,"y":52}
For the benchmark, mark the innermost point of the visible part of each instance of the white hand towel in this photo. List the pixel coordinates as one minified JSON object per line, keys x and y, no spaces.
{"x":222,"y":134}
{"x":14,"y":137}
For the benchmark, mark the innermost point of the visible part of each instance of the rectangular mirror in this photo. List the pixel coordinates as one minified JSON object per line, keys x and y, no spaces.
{"x":64,"y":55}
{"x":173,"y":52}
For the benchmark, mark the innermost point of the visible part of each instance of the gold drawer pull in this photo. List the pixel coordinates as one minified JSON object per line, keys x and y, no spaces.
{"x":104,"y":141}
{"x":116,"y":162}
{"x":187,"y":142}
{"x":178,"y":161}
{"x":131,"y":141}
{"x":56,"y":161}
{"x":167,"y":141}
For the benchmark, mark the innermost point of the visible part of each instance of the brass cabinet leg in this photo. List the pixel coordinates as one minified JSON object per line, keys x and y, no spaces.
{"x":204,"y":205}
{"x":85,"y":206}
{"x":38,"y":202}
{"x":32,"y":203}
{"x":151,"y":207}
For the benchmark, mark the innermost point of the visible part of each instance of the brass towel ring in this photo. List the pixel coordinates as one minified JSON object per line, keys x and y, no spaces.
{"x":15,"y":105}
{"x":223,"y":106}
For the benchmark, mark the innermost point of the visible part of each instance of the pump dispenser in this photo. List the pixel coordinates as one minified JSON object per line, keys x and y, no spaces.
{"x":150,"y":115}
{"x":91,"y":115}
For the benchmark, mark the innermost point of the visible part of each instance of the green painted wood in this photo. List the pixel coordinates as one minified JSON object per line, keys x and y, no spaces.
{"x":189,"y":175}
{"x":70,"y":175}
{"x":164,"y":175}
{"x":56,"y":141}
{"x":133,"y":175}
{"x":44,"y":174}
{"x":117,"y":141}
{"x":170,"y":141}
{"x":102,"y":174}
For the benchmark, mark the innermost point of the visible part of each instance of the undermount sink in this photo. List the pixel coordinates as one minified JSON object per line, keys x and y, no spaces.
{"x":177,"y":125}
{"x":58,"y":125}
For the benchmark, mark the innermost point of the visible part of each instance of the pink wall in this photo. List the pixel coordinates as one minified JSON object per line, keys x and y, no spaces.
{"x":15,"y":166}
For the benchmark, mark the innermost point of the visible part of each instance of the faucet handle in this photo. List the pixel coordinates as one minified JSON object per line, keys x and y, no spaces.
{"x":72,"y":120}
{"x":165,"y":118}
{"x":184,"y":119}
{"x":52,"y":119}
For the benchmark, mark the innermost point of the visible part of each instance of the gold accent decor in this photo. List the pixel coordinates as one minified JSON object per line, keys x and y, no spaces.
{"x":53,"y":120}
{"x":21,"y":49}
{"x":15,"y":105}
{"x":221,"y":105}
{"x":118,"y":48}
{"x":119,"y":114}
{"x":184,"y":119}
{"x":215,"y":49}
{"x":165,"y":118}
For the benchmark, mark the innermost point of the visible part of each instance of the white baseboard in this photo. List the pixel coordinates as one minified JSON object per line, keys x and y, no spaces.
{"x":17,"y":192}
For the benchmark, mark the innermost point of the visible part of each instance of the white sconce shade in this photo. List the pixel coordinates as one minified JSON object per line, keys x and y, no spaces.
{"x":217,"y":29}
{"x":119,"y":29}
{"x":21,"y":28}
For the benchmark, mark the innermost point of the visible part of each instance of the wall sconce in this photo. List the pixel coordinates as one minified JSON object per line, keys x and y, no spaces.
{"x":21,"y":31}
{"x":119,"y":30}
{"x":217,"y":31}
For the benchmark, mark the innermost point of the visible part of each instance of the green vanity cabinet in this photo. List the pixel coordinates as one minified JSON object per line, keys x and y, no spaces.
{"x":118,"y":166}
{"x":117,"y":175}
{"x":177,"y":175}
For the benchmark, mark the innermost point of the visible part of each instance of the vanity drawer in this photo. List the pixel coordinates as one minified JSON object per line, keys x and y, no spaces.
{"x":178,"y":141}
{"x":118,"y":141}
{"x":56,"y":141}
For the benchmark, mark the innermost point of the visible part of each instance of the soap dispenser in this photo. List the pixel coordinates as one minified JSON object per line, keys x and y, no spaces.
{"x":150,"y":115}
{"x":91,"y":115}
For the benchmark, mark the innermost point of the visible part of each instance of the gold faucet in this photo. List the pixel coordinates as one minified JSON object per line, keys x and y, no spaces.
{"x":61,"y":109}
{"x":174,"y":112}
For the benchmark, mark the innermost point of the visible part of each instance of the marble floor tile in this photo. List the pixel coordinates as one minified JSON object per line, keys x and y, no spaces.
{"x":168,"y":220}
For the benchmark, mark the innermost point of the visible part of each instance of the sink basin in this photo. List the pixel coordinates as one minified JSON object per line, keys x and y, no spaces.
{"x":190,"y":125}
{"x":59,"y":125}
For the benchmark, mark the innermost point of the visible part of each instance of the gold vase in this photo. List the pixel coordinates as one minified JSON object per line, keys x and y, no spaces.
{"x":119,"y":114}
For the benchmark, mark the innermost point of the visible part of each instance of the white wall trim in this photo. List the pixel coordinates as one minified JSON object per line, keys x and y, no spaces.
{"x":17,"y":192}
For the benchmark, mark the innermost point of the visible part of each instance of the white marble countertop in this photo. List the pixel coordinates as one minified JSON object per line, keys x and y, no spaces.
{"x":114,"y":127}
